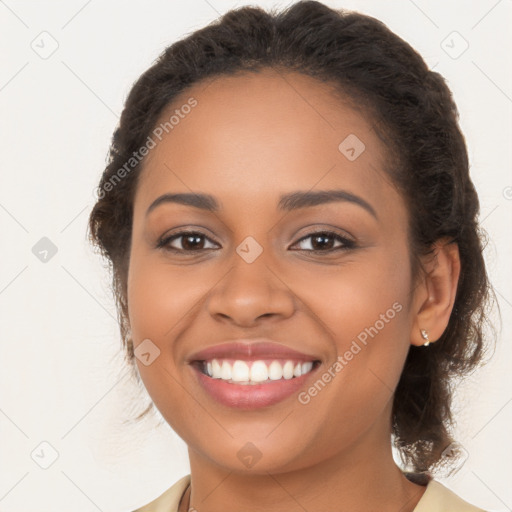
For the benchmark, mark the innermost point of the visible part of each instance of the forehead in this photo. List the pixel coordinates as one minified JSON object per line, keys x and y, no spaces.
{"x":258,"y":135}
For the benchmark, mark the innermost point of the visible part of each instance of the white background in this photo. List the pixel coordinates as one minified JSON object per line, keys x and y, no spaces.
{"x":62,"y":379}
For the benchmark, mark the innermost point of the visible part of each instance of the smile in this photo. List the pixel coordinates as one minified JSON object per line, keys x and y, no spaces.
{"x":251,"y":384}
{"x":252,"y":372}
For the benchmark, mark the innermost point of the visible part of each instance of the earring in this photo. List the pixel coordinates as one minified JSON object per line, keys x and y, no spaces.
{"x":424,"y":335}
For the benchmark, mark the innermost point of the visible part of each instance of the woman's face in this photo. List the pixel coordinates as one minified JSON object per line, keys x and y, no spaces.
{"x":262,"y":268}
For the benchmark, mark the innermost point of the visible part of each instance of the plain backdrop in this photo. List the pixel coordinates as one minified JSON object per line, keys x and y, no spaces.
{"x":64,"y":394}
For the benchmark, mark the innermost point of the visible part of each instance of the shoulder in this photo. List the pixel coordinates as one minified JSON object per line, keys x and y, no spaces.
{"x":439,"y":498}
{"x":169,"y":500}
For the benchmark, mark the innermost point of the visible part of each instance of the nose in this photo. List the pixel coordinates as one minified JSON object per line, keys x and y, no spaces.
{"x":249,"y":292}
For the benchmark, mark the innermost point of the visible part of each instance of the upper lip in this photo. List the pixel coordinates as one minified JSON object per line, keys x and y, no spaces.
{"x":244,"y":349}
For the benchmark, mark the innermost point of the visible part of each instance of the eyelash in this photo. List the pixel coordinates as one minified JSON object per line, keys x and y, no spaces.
{"x":347,"y":244}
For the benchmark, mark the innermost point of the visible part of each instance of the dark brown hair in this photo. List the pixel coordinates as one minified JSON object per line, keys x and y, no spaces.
{"x":427,"y":161}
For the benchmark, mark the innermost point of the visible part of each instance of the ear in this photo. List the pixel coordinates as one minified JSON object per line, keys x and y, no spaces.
{"x":435,"y":294}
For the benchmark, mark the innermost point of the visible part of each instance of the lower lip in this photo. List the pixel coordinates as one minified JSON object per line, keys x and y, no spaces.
{"x":251,"y":396}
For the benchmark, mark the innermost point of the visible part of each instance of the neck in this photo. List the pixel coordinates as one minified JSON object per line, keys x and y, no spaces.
{"x":362,"y":478}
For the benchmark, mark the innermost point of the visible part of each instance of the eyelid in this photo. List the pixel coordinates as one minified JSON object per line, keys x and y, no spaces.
{"x":330,"y":230}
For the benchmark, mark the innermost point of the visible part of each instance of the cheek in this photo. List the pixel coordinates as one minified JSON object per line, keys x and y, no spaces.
{"x":163,"y":303}
{"x":366,"y":307}
{"x":160,"y":304}
{"x":161,"y":298}
{"x":366,"y":297}
{"x":366,"y":315}
{"x":364,"y":311}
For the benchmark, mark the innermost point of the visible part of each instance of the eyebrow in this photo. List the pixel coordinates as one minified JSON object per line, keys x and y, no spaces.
{"x":287,"y":202}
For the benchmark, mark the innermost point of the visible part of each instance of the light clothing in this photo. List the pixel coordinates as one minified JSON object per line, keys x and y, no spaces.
{"x":437,"y":498}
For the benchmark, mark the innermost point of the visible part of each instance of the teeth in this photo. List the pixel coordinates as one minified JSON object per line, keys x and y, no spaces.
{"x":275,"y":371}
{"x":306,"y":367}
{"x":259,"y":372}
{"x":240,"y":371}
{"x":288,"y":370}
{"x":225,"y":371}
{"x":215,"y":369}
{"x":245,"y":372}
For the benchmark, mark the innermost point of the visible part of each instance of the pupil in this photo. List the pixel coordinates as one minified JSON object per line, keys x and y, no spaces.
{"x":194,"y":244}
{"x":320,"y":237}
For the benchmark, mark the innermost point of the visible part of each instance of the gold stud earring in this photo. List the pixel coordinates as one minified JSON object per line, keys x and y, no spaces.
{"x":424,"y":335}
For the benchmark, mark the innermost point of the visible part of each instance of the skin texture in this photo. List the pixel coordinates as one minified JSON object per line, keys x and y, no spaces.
{"x":250,"y":139}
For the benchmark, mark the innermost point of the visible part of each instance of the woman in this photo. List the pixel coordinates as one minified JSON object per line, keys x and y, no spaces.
{"x":297,"y":262}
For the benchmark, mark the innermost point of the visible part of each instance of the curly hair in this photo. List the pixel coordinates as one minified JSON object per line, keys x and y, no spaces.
{"x":386,"y":79}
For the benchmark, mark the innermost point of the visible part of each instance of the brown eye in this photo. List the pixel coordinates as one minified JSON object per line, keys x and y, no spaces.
{"x":187,"y":241}
{"x":323,"y":241}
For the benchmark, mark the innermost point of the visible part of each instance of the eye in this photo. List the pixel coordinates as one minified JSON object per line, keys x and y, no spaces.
{"x":194,"y":241}
{"x":321,"y":242}
{"x":191,"y":241}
